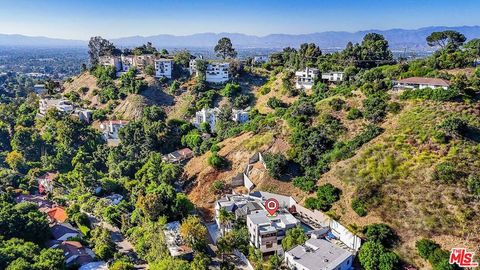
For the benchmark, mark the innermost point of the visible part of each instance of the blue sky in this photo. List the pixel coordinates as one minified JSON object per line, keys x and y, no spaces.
{"x":81,"y":19}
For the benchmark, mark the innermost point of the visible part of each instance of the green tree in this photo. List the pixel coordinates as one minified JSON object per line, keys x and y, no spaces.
{"x":200,"y":262}
{"x":293,"y":237}
{"x":97,"y":47}
{"x":373,"y":256}
{"x":122,"y":265}
{"x":445,"y":39}
{"x":275,"y":163}
{"x":182,"y":58}
{"x":194,"y":233}
{"x":224,"y":48}
{"x":374,"y":49}
{"x":381,"y":233}
{"x":49,"y":259}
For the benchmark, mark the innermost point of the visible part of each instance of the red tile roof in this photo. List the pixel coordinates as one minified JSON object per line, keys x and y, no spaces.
{"x":421,"y":80}
{"x":58,"y":214}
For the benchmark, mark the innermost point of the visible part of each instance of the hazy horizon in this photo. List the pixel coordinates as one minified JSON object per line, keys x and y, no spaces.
{"x":116,"y":19}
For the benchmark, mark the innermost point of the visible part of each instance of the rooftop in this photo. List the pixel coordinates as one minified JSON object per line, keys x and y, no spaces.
{"x":174,"y":241}
{"x":421,"y":80}
{"x":60,"y":229}
{"x":58,"y":214}
{"x":319,"y":254}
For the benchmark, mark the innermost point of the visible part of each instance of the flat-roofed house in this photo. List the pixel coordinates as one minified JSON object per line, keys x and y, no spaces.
{"x":206,"y":115}
{"x":215,"y":72}
{"x":163,"y":68}
{"x":266,"y":232}
{"x":61,"y":105}
{"x":240,"y":116}
{"x":175,"y":243}
{"x":333,"y":76}
{"x":319,"y":254}
{"x":111,"y":60}
{"x":421,"y":83}
{"x":110,"y":131}
{"x":305,"y":79}
{"x":127,"y":62}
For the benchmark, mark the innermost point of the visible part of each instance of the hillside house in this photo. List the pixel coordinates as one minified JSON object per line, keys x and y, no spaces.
{"x":175,"y":243}
{"x":305,"y":79}
{"x":421,"y":83}
{"x":237,"y":204}
{"x":333,"y":76}
{"x":266,"y":232}
{"x":39,"y":89}
{"x":110,"y":129}
{"x":61,"y":105}
{"x":319,"y":253}
{"x":240,"y":116}
{"x":260,"y":59}
{"x":63,"y":231}
{"x":75,"y":253}
{"x":163,"y":68}
{"x":45,"y":182}
{"x":127,"y":62}
{"x":206,"y":115}
{"x":56,"y":214}
{"x":215,"y":72}
{"x":83,"y":114}
{"x":141,"y":61}
{"x":111,"y":60}
{"x":178,"y":156}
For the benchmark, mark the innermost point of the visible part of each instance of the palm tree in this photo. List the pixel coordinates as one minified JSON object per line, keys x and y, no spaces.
{"x":225,"y":217}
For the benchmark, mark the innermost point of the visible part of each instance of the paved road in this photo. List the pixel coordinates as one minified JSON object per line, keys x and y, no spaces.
{"x":124,"y":246}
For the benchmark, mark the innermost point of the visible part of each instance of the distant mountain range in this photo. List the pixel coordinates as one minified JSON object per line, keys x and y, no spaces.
{"x":397,"y":38}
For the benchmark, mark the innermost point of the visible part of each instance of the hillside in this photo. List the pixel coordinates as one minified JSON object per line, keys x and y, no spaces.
{"x":395,"y":169}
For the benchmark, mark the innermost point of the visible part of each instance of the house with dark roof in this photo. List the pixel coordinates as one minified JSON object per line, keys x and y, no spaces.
{"x":421,"y":83}
{"x":63,"y":231}
{"x":75,"y":253}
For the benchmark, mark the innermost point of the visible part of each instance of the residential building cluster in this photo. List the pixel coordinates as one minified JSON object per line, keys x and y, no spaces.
{"x":62,"y":232}
{"x":163,"y":66}
{"x":210,"y":115}
{"x":305,"y":79}
{"x":324,"y":249}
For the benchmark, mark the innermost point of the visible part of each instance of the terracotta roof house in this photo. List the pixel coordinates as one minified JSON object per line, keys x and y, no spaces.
{"x":57,"y":214}
{"x":420,"y":83}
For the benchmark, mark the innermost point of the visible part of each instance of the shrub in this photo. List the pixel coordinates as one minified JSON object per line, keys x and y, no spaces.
{"x":394,"y":107}
{"x":446,"y":172}
{"x":264,"y":90}
{"x":216,"y":161}
{"x":426,"y":247}
{"x":381,"y":233}
{"x":438,"y":94}
{"x":359,"y":207}
{"x":473,"y":184}
{"x":275,"y":163}
{"x":327,"y":194}
{"x":304,"y":183}
{"x":375,"y":108}
{"x":274,"y":102}
{"x":454,"y":126}
{"x":354,"y":113}
{"x":374,"y":256}
{"x":337,"y":104}
{"x":218,"y":186}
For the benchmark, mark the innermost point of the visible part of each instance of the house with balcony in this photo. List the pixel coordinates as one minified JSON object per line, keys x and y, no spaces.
{"x":305,"y":79}
{"x":421,"y":83}
{"x":206,"y":115}
{"x":61,"y":105}
{"x":163,"y":68}
{"x":333,"y":76}
{"x":266,"y":232}
{"x":111,"y":60}
{"x":215,"y":72}
{"x":127,"y":62}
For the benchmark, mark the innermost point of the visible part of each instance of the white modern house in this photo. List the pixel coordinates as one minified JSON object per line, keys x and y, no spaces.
{"x":127,"y":62}
{"x":240,"y":116}
{"x":333,"y":76}
{"x":61,"y":105}
{"x":260,"y":59}
{"x":206,"y":115}
{"x":319,"y":254}
{"x":163,"y":68}
{"x":111,"y":60}
{"x":266,"y":232}
{"x":305,"y":79}
{"x":421,"y":83}
{"x":216,"y":72}
{"x":110,"y":131}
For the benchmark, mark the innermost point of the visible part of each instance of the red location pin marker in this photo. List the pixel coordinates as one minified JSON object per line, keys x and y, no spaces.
{"x":272,"y":206}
